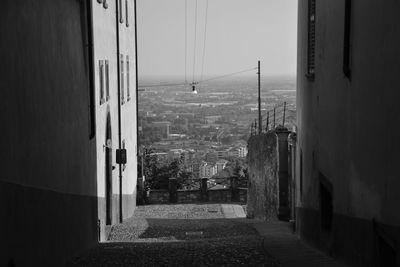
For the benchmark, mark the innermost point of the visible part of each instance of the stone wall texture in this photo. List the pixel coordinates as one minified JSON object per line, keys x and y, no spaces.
{"x":194,"y":196}
{"x":262,"y":187}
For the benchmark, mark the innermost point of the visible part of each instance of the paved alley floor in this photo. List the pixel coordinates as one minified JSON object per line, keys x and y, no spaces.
{"x":199,"y":235}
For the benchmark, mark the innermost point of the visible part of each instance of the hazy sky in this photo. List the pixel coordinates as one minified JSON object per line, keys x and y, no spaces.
{"x":239,"y":32}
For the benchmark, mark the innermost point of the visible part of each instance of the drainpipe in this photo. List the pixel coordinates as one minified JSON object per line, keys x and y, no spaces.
{"x":119,"y":106}
{"x":137,"y":86}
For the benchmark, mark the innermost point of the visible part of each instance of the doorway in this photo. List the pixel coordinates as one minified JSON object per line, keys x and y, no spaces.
{"x":108,"y":170}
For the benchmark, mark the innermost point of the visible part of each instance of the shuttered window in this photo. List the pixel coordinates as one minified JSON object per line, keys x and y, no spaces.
{"x":347,"y":43}
{"x":101,"y":81}
{"x":128,"y":93}
{"x":126,"y":13}
{"x":107,"y":80}
{"x":122,"y":80}
{"x":311,"y":39}
{"x":121,"y":19}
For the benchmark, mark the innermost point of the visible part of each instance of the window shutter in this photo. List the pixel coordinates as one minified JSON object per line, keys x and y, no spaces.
{"x":101,"y":81}
{"x":347,"y":45}
{"x":311,"y":39}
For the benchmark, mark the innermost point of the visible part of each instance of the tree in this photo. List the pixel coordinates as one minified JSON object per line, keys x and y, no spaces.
{"x":157,"y":177}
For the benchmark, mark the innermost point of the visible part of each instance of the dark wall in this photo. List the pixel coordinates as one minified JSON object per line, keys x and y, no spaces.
{"x":347,"y":134}
{"x":48,"y":180}
{"x":262,"y":193}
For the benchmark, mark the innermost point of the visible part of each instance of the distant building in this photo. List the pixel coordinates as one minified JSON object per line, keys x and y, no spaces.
{"x":221,"y":164}
{"x":238,"y":152}
{"x":163,"y":126}
{"x":207,"y":170}
{"x":194,"y":168}
{"x":211,"y":156}
{"x":212,"y":119}
{"x":242,"y":151}
{"x":222,"y":153}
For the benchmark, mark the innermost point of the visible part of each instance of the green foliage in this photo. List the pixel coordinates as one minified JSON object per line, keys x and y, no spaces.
{"x":157,"y":176}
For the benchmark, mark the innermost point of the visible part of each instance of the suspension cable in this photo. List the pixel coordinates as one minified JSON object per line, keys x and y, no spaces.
{"x":230,"y":74}
{"x":195,"y":34}
{"x":204,"y":43}
{"x":182,"y":84}
{"x":185,"y":41}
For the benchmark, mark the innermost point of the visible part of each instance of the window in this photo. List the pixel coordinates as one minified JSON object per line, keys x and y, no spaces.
{"x":122,"y":80}
{"x":347,"y":44}
{"x":128,"y":93}
{"x":101,"y":81}
{"x":311,"y":40}
{"x":107,"y":78}
{"x":121,"y":19}
{"x":126,"y":13}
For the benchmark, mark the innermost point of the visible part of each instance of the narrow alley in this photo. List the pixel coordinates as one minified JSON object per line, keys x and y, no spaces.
{"x":200,"y":235}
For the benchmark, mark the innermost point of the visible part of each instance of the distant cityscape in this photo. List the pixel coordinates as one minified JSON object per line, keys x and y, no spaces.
{"x":208,"y":131}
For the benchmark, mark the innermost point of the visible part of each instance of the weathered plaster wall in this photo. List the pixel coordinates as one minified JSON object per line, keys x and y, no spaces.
{"x":128,"y":110}
{"x":48,"y":181}
{"x":105,"y":48}
{"x":346,"y":128}
{"x":262,"y":191}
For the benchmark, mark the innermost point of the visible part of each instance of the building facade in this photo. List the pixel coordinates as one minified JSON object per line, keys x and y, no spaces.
{"x":116,"y":102}
{"x":347,"y":184}
{"x":207,"y":170}
{"x":62,"y":122}
{"x":221,"y":164}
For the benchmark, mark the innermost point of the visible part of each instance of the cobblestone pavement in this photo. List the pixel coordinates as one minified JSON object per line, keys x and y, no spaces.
{"x":178,"y":222}
{"x":235,"y":251}
{"x":179,"y":235}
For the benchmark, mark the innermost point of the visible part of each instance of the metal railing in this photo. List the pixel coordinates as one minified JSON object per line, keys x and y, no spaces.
{"x":280,"y":115}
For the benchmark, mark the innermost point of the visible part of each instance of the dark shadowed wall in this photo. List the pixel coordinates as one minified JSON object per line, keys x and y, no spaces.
{"x":348,"y":147}
{"x":48,"y":159}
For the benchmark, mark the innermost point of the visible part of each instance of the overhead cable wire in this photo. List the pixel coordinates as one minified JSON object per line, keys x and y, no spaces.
{"x":185,"y":41}
{"x":204,"y":43}
{"x":182,"y":84}
{"x":230,"y":74}
{"x":195,"y":34}
{"x":162,"y":85}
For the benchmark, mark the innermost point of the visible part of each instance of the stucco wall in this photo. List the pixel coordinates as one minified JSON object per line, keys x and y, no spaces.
{"x":48,"y":180}
{"x":105,"y":48}
{"x":262,"y":195}
{"x":346,"y":127}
